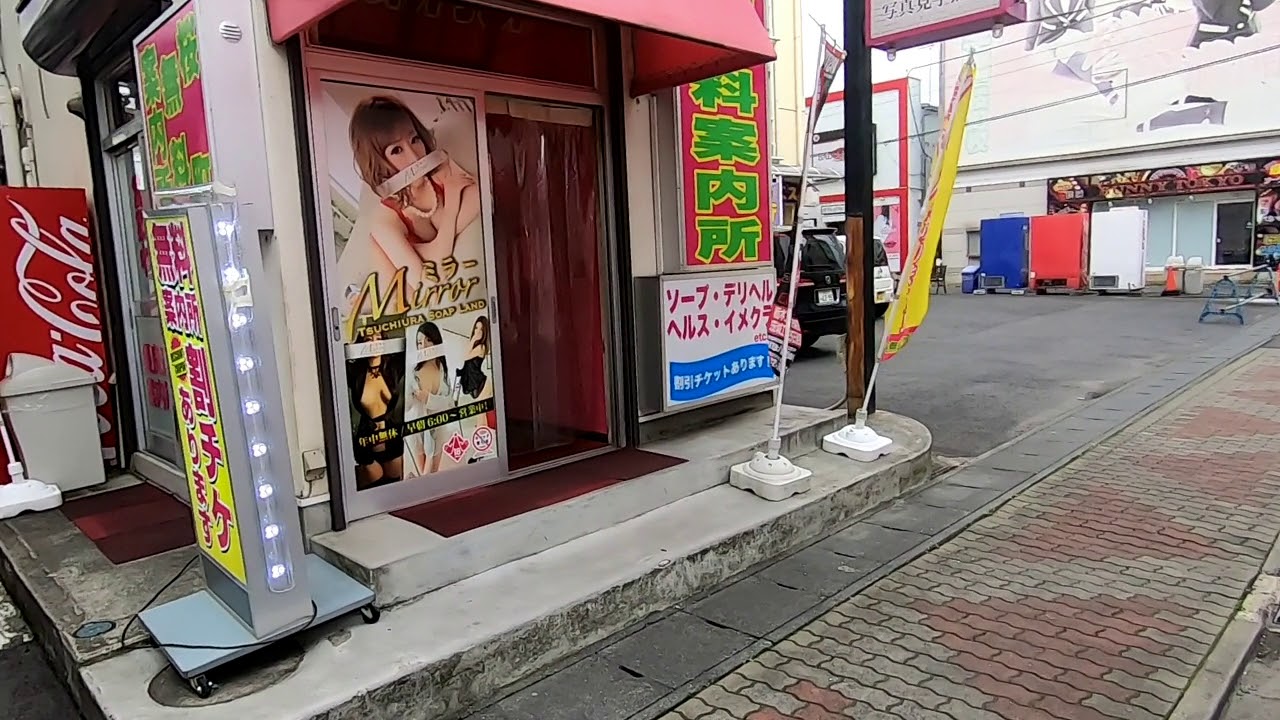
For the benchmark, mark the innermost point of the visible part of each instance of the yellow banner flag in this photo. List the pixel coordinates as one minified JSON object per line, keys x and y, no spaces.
{"x":912,"y":304}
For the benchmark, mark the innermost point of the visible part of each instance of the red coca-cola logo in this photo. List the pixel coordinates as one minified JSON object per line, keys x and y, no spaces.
{"x":53,"y":291}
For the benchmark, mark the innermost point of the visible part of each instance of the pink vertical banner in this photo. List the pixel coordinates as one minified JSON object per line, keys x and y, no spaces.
{"x":724,"y":159}
{"x":169,"y":75}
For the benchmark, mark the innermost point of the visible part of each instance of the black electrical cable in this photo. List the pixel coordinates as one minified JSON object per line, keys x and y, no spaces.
{"x":315,"y":612}
{"x":149,"y":603}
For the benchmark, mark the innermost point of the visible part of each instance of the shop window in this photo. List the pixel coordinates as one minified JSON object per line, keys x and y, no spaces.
{"x":463,"y":35}
{"x":121,"y":97}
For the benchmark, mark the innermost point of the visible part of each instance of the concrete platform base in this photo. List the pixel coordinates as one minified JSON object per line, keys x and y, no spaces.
{"x":402,"y":561}
{"x":450,"y":649}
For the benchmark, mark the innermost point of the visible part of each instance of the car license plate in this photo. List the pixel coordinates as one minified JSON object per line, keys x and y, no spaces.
{"x":826,"y":297}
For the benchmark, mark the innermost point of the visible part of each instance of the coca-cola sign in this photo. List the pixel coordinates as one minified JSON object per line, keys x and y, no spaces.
{"x":49,"y":290}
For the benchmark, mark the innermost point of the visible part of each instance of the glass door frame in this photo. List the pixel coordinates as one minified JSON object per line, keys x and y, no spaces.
{"x":325,"y":65}
{"x":1251,"y":243}
{"x":116,"y":141}
{"x":604,"y":265}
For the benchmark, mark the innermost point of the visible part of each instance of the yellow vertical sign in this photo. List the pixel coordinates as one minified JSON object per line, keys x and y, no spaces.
{"x":204,"y":446}
{"x":913,"y":290}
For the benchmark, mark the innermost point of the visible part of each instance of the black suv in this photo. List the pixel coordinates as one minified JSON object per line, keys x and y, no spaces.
{"x":822,"y":305}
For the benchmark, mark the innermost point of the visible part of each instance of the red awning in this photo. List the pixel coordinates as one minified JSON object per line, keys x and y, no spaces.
{"x":675,"y":41}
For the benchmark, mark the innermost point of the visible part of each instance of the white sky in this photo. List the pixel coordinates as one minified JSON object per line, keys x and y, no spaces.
{"x":921,"y":62}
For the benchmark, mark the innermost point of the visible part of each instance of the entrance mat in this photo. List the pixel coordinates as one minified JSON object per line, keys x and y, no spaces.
{"x":132,"y":523}
{"x":476,"y":508}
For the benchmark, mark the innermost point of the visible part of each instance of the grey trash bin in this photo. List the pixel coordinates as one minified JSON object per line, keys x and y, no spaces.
{"x":1193,"y":279}
{"x":54,"y":419}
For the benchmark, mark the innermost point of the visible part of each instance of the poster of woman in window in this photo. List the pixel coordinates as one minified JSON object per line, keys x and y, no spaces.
{"x":414,"y":298}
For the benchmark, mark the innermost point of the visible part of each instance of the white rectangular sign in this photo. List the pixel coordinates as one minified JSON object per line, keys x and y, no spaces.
{"x":715,"y":335}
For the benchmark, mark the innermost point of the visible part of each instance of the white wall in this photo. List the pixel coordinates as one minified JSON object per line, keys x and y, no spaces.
{"x":787,"y":95}
{"x":1108,"y":83}
{"x":61,"y":153}
{"x":284,"y":259}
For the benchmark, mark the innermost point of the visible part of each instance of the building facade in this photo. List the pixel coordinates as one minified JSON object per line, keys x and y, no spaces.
{"x":1161,"y":105}
{"x":424,"y":323}
{"x":901,"y":154}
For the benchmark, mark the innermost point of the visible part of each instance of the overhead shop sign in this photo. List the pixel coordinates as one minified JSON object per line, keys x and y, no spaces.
{"x":1071,"y":194}
{"x":901,"y":24}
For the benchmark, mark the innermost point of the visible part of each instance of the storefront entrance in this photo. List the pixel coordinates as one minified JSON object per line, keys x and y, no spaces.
{"x":544,"y":162}
{"x":1233,"y":223}
{"x":154,"y":456}
{"x":464,"y":236}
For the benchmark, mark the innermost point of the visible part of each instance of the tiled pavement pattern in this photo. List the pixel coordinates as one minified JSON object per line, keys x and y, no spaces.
{"x":1092,"y":595}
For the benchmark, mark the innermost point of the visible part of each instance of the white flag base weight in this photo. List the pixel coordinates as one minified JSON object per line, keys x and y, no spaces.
{"x":857,"y":441}
{"x":772,"y":478}
{"x":28,"y":496}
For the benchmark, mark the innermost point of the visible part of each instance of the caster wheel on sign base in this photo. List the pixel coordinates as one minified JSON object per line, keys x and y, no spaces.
{"x":201,"y":686}
{"x":370,"y":614}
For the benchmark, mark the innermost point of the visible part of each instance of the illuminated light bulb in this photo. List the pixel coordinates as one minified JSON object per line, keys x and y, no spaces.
{"x":225,"y":229}
{"x":891,"y":54}
{"x":252,"y":407}
{"x":277,"y":571}
{"x":264,"y":491}
{"x":258,"y":449}
{"x":239,"y":320}
{"x":270,"y":532}
{"x":997,"y":30}
{"x":231,"y":275}
{"x":244,"y":363}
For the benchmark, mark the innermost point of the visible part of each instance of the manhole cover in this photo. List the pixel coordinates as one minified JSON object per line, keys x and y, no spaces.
{"x":93,"y":629}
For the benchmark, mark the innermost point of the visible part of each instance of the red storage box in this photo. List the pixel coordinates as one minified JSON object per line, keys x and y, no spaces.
{"x":1059,"y":252}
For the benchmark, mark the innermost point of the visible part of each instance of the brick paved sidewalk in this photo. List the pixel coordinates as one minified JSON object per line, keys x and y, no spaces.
{"x":1095,"y":594}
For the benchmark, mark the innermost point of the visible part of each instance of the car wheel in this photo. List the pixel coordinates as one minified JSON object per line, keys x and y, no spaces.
{"x":881,"y":309}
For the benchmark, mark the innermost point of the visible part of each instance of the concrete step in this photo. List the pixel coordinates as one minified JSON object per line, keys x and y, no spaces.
{"x":402,"y":561}
{"x":453,"y":648}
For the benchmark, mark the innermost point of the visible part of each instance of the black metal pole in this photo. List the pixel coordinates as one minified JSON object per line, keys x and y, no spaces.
{"x":858,"y":187}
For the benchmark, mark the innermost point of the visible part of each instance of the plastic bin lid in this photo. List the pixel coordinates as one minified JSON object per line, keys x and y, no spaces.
{"x":970,"y":268}
{"x":30,"y":374}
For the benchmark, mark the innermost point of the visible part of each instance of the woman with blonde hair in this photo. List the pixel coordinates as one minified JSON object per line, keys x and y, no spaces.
{"x":427,"y":200}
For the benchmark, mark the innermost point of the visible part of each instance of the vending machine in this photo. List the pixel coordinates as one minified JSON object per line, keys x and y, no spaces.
{"x":1118,"y":250}
{"x":1059,"y":252}
{"x":1003,"y":247}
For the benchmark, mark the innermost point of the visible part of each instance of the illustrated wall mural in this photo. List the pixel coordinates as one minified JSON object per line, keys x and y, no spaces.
{"x":1089,"y":75}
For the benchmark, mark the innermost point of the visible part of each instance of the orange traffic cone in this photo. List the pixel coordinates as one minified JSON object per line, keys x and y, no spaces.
{"x":1171,"y":278}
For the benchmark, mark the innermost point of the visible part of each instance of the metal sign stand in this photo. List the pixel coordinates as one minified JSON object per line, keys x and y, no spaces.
{"x":261,"y":586}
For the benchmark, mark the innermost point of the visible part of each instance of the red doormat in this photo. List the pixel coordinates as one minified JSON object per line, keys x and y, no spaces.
{"x":471,"y":509}
{"x":132,"y":523}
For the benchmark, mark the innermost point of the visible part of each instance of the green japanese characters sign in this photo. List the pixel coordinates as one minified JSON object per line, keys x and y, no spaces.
{"x":724,"y":153}
{"x":169,"y":79}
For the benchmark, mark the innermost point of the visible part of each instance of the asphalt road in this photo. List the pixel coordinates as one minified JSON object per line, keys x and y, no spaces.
{"x":984,"y":369}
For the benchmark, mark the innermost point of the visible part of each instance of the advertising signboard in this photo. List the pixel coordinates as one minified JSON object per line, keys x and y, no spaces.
{"x":900,"y":24}
{"x":716,"y":335}
{"x":724,"y":160}
{"x":413,"y":290}
{"x":191,"y":376}
{"x":1073,"y":194}
{"x":173,"y":104}
{"x":49,"y":291}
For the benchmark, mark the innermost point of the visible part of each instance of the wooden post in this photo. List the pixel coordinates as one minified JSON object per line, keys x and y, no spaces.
{"x":859,"y":149}
{"x":856,"y":368}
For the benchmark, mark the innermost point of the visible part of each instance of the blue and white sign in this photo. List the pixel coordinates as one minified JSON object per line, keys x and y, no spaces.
{"x":715,"y":335}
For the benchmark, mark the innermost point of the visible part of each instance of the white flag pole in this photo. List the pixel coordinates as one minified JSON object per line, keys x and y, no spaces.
{"x":769,"y":474}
